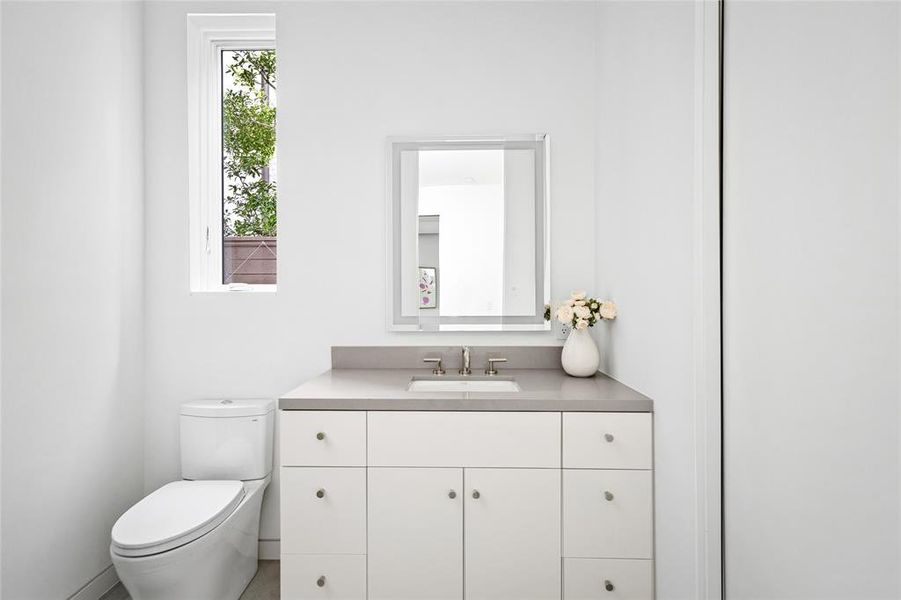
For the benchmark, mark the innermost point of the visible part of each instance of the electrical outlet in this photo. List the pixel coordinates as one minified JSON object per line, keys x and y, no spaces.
{"x":563,"y":329}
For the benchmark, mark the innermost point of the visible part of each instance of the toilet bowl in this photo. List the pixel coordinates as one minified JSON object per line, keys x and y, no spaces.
{"x":214,"y":558}
{"x":198,"y":538}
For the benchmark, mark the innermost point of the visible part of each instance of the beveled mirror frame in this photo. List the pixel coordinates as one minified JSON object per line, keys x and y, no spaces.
{"x":540,"y":142}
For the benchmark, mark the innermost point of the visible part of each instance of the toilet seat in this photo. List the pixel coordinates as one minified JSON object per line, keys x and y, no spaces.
{"x":174,"y":515}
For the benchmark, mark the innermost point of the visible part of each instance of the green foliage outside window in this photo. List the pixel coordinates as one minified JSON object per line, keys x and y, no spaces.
{"x":248,"y":143}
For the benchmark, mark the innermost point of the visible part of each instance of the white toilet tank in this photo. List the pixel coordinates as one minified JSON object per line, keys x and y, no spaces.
{"x":226,"y":439}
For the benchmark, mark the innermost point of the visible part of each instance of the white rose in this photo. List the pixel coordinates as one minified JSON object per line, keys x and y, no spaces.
{"x":565,"y":314}
{"x":583,"y":312}
{"x":581,"y":324}
{"x":578,"y":303}
{"x":577,"y":295}
{"x":608,"y":310}
{"x":594,"y":306}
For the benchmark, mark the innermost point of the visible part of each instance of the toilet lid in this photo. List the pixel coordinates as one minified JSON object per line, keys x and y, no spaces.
{"x":175,"y":514}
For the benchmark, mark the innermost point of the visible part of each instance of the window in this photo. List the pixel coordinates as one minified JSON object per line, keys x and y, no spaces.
{"x":232,"y":95}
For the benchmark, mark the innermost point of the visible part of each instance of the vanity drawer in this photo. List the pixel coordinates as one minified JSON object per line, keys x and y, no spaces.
{"x":313,"y":438}
{"x":341,"y":577}
{"x":464,"y":439}
{"x":607,"y":514}
{"x":592,"y":578}
{"x":607,"y":441}
{"x":323,"y":510}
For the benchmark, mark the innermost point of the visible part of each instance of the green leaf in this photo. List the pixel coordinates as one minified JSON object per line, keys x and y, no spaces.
{"x":248,"y":143}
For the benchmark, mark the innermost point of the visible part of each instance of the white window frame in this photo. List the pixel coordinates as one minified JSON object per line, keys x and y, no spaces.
{"x":208,"y":35}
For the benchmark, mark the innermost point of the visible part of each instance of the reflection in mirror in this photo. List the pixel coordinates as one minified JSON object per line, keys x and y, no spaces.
{"x":469,"y":233}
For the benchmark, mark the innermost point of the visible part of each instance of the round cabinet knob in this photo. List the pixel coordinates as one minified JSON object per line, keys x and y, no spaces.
{"x":608,"y":585}
{"x":321,"y":581}
{"x":608,"y":496}
{"x":607,"y":436}
{"x":320,"y":436}
{"x":476,"y":494}
{"x":320,"y":493}
{"x":452,"y":494}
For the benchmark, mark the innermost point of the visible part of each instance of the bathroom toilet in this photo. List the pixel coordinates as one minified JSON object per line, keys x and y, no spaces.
{"x":197,"y":539}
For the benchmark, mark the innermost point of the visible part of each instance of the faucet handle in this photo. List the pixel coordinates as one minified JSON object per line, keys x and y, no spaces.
{"x":492,"y":370}
{"x":437,"y":361}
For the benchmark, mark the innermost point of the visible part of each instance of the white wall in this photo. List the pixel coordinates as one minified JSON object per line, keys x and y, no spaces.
{"x":1,"y":308}
{"x":72,"y":289}
{"x":645,"y":246}
{"x":350,"y":74}
{"x":611,"y":83}
{"x":811,"y":299}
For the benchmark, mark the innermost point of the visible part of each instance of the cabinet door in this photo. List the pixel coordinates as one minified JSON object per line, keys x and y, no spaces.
{"x":415,"y":534}
{"x":512,"y":534}
{"x":323,"y":577}
{"x":323,"y":510}
{"x":608,"y":514}
{"x":590,"y":578}
{"x":608,"y":441}
{"x":322,"y":438}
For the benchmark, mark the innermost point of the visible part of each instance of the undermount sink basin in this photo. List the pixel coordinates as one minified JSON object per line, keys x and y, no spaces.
{"x":462,"y":385}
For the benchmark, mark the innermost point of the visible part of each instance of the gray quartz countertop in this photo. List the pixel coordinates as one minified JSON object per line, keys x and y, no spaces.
{"x":386,"y":389}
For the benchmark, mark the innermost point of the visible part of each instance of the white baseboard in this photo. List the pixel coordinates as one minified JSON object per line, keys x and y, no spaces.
{"x":270,"y":549}
{"x":106,"y":579}
{"x":98,"y":586}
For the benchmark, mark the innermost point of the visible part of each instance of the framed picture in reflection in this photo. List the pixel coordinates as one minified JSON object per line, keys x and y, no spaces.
{"x":428,"y":287}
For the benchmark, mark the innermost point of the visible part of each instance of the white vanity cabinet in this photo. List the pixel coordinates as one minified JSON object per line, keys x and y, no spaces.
{"x":422,"y":505}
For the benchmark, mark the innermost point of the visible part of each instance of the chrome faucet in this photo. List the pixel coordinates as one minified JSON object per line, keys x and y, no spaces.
{"x":465,"y":370}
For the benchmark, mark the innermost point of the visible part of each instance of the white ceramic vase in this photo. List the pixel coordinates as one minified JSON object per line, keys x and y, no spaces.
{"x":580,"y":354}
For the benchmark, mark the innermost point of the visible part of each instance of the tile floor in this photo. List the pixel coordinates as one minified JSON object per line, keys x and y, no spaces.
{"x":264,"y":585}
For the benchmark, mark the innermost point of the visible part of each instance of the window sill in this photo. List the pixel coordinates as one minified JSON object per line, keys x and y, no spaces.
{"x":239,"y":291}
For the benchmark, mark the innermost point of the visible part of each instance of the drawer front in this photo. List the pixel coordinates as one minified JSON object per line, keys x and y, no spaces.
{"x":464,"y":439}
{"x":334,"y":523}
{"x":592,"y":578}
{"x":341,"y":577}
{"x":607,"y":441}
{"x":312,"y":438}
{"x":607,"y":514}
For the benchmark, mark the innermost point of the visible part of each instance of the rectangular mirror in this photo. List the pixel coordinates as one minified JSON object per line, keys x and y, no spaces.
{"x":468,"y":233}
